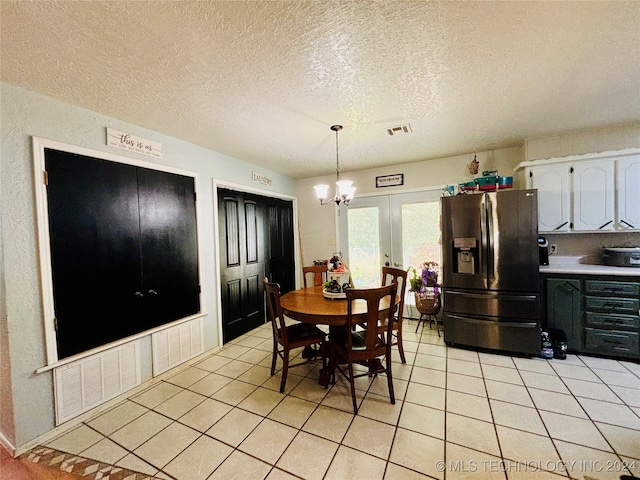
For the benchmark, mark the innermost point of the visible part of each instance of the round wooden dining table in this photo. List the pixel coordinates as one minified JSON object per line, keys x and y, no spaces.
{"x":309,"y":305}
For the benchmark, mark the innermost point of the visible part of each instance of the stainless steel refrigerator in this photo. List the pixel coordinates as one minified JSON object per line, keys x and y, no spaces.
{"x":490,"y":271}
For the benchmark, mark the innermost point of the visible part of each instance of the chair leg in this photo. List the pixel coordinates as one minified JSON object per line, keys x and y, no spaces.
{"x":274,"y":357}
{"x":392,"y":395}
{"x":399,"y":342}
{"x":353,"y":389}
{"x":285,"y":369}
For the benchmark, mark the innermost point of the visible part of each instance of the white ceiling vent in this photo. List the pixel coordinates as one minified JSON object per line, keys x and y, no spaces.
{"x":401,"y":129}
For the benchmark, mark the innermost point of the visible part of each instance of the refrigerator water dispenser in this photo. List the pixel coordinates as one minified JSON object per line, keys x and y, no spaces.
{"x":465,"y":251}
{"x":465,"y":262}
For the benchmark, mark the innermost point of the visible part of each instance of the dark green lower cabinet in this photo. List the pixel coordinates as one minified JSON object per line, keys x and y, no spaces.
{"x":564,"y":311}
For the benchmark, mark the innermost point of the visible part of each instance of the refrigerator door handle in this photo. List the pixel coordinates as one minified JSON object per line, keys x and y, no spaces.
{"x":486,"y":220}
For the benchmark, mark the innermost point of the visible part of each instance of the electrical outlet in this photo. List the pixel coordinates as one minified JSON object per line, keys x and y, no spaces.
{"x":553,"y":249}
{"x":331,"y":242}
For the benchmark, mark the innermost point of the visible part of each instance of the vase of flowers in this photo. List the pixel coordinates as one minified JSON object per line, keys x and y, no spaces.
{"x":424,"y":285}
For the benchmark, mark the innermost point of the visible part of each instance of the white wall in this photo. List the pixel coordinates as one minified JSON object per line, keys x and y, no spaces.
{"x":25,"y":114}
{"x":318,"y":229}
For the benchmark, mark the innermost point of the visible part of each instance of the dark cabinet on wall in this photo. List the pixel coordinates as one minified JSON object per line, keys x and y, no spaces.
{"x":124,"y":253}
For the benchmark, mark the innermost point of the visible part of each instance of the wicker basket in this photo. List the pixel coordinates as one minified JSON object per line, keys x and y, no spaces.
{"x":428,"y":304}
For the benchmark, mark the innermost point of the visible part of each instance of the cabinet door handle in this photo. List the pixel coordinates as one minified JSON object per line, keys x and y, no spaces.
{"x":152,"y":292}
{"x":627,"y":224}
{"x":138,"y":294}
{"x":605,"y":224}
{"x":560,"y":226}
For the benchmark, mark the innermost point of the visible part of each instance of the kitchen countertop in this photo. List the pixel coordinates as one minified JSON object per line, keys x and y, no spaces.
{"x":578,"y":266}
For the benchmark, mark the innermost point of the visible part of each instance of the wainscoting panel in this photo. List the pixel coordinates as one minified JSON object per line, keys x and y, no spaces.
{"x":91,"y":381}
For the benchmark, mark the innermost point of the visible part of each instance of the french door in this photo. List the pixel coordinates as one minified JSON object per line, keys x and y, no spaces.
{"x":390,"y":230}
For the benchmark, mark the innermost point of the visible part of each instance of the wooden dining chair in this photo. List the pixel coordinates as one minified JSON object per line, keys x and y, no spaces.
{"x":319,"y":274}
{"x":399,"y":277}
{"x":287,"y":338}
{"x":364,"y":346}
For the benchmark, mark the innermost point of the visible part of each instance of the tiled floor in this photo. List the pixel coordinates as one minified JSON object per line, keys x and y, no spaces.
{"x":458,"y":414}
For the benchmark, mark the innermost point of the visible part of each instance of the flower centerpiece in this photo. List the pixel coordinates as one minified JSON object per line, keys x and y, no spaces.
{"x":424,"y":285}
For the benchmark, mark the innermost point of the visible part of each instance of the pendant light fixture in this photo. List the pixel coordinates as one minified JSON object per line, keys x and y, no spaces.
{"x":345,"y":191}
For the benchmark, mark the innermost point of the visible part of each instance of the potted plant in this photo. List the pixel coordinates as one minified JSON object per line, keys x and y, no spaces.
{"x":424,"y":285}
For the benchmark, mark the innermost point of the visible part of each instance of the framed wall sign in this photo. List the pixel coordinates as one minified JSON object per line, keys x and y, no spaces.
{"x":390,"y":180}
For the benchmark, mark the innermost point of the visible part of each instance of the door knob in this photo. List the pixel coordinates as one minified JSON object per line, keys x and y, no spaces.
{"x":386,"y":264}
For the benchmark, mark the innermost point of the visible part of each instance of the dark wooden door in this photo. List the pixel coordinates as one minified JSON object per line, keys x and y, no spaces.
{"x":123,"y":249}
{"x":241,"y":227}
{"x":280,"y":248}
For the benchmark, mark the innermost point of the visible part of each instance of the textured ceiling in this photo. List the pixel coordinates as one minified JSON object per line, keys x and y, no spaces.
{"x":262,"y":81}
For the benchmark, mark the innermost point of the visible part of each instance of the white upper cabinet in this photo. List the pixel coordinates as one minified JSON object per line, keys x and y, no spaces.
{"x":628,"y":193}
{"x":554,"y":192}
{"x":587,"y":193}
{"x":593,"y":196}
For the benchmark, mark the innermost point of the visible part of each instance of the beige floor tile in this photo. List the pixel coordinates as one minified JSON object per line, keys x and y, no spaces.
{"x":234,"y":392}
{"x":532,"y":472}
{"x":464,"y":367}
{"x":612,"y":413}
{"x":277,"y":474}
{"x":329,"y":423}
{"x":396,"y":472}
{"x":502,"y":374}
{"x":234,"y":369}
{"x":588,"y":463}
{"x":268,"y":441}
{"x":571,"y":359}
{"x":350,"y":463}
{"x":378,"y":407}
{"x":464,"y":463}
{"x":557,"y":402}
{"x":625,"y":441}
{"x":468,"y":405}
{"x":163,"y":447}
{"x":431,"y":361}
{"x":418,"y":452}
{"x":251,"y":341}
{"x":527,"y":448}
{"x":292,"y":411}
{"x":431,"y":349}
{"x":621,"y":379}
{"x":134,"y":434}
{"x":106,"y":451}
{"x":199,"y":459}
{"x":495,"y":359}
{"x":256,"y":375}
{"x":273,"y":382}
{"x":631,"y":367}
{"x":111,"y":420}
{"x":508,"y":392}
{"x":429,"y":376}
{"x":266,"y":345}
{"x":517,"y":416}
{"x":543,"y":381}
{"x":308,"y":456}
{"x":463,"y":354}
{"x":179,"y":404}
{"x":575,"y":371}
{"x":597,"y":391}
{"x":131,"y":462}
{"x":261,"y":401}
{"x":233,"y":351}
{"x":188,"y":377}
{"x":576,"y":430}
{"x":210,"y":384}
{"x":424,"y":420}
{"x":157,"y":394}
{"x":426,"y":395}
{"x":409,"y":356}
{"x":308,"y":389}
{"x":380,"y":386}
{"x":537,"y":365}
{"x":370,"y":436}
{"x":255,"y":356}
{"x":402,"y":371}
{"x":630,"y":396}
{"x":472,"y":433}
{"x":235,"y":426}
{"x":240,"y":466}
{"x":602,"y":363}
{"x":204,"y":415}
{"x":466,"y":384}
{"x":213,"y":363}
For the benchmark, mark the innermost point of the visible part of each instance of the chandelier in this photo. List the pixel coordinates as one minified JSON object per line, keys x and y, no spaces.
{"x":345,"y":190}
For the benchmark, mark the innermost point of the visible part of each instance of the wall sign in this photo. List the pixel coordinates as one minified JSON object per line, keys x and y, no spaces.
{"x":390,"y":180}
{"x":257,"y":178}
{"x":131,"y":143}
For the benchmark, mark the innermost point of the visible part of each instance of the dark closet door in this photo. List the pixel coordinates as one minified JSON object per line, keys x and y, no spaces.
{"x":123,"y":249}
{"x":280,"y":254}
{"x":169,"y":247}
{"x":242,"y":247}
{"x":95,"y":250}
